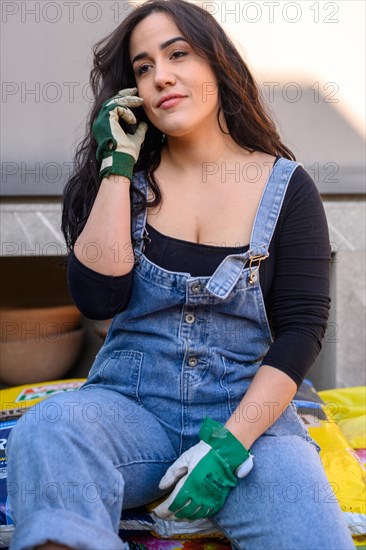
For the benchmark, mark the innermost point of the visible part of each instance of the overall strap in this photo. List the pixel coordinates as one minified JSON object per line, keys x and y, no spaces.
{"x":138,"y":230}
{"x":270,"y":206}
{"x":229,"y":271}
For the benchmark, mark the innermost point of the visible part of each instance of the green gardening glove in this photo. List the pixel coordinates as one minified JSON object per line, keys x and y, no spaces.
{"x":117,"y":150}
{"x":210,"y":470}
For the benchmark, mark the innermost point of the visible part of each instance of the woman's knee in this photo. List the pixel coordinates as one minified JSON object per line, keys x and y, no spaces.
{"x":42,"y":422}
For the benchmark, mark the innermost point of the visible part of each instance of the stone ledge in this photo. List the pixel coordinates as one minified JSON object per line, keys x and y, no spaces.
{"x":34,"y":228}
{"x":31,"y":229}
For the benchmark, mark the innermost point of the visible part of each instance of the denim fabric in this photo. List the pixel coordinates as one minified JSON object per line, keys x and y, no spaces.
{"x":186,"y":347}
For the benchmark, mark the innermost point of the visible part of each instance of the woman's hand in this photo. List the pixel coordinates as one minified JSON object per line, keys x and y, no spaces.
{"x":206,"y":473}
{"x":117,"y":150}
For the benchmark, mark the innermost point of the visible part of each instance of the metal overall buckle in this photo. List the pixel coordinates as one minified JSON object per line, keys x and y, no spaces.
{"x":253,"y":270}
{"x":135,"y":242}
{"x":145,"y":237}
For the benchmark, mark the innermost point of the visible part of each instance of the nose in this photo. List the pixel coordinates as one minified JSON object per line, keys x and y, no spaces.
{"x":163,"y":75}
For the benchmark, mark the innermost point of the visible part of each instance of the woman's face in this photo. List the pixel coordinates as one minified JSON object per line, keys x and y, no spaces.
{"x":165,"y":64}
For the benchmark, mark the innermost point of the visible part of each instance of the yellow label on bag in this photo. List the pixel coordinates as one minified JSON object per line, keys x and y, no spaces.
{"x":21,"y":397}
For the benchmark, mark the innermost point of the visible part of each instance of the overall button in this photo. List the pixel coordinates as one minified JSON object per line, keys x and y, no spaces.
{"x":196,"y":287}
{"x":192,"y":361}
{"x":190,"y":318}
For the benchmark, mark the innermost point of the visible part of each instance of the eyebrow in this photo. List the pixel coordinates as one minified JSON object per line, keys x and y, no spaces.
{"x":142,"y":55}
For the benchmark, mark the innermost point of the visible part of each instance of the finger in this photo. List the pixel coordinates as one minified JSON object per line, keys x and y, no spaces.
{"x":166,"y":481}
{"x":169,"y":478}
{"x":173,"y":474}
{"x":245,"y":467}
{"x":163,"y":509}
{"x":191,"y":511}
{"x":141,"y":130}
{"x":129,"y":101}
{"x":187,"y":511}
{"x":169,"y":517}
{"x":183,"y":504}
{"x":171,"y":500}
{"x":178,"y":469}
{"x":127,"y":91}
{"x":126,"y":115}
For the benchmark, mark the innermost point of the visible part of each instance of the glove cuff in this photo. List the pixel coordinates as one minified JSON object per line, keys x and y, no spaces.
{"x":224,"y":443}
{"x":117,"y":163}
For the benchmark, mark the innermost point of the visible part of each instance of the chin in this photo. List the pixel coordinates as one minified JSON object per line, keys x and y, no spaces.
{"x":176,"y":130}
{"x":177,"y":125}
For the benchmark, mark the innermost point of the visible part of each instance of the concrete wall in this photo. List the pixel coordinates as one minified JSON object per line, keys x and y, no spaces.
{"x":346,"y":222}
{"x":309,"y":58}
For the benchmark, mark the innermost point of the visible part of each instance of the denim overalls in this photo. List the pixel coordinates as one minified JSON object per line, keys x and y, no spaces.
{"x":186,"y":347}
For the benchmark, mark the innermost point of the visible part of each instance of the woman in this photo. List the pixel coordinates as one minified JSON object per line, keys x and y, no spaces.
{"x":190,"y":224}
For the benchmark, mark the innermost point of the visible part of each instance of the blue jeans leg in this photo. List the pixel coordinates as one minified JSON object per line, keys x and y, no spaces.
{"x":74,"y":460}
{"x":285,"y":502}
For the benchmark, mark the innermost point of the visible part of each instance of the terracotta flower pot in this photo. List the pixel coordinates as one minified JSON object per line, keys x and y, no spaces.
{"x":21,"y":324}
{"x":36,"y":359}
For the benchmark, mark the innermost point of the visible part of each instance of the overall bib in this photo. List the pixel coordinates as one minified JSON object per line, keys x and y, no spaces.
{"x":186,"y":347}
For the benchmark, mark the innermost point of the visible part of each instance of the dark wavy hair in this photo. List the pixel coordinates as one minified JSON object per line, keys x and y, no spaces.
{"x":250,"y":126}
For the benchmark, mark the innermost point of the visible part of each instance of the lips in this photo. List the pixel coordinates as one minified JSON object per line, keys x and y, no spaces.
{"x":167,"y":97}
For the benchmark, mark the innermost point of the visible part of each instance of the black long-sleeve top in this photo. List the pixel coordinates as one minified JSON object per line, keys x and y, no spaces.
{"x":294,"y":278}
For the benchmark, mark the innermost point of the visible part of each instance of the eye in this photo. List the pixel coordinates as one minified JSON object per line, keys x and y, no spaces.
{"x":140,"y":70}
{"x":175,"y":55}
{"x":180,"y":53}
{"x":143,"y":69}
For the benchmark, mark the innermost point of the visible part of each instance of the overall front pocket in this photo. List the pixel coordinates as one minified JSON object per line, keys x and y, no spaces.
{"x":236,"y":379}
{"x":119,"y":372}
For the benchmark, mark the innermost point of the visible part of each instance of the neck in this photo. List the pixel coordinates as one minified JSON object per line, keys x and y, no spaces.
{"x":199,"y":150}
